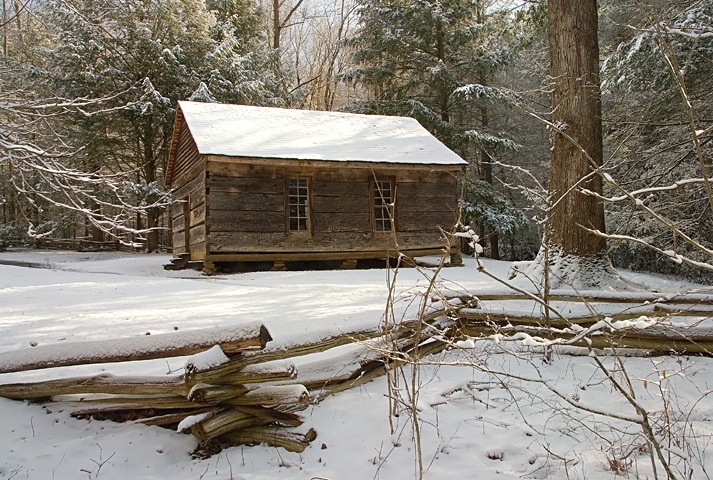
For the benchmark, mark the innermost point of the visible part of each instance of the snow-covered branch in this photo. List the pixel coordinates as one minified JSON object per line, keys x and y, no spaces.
{"x":646,"y":191}
{"x":48,"y":172}
{"x":670,"y":254}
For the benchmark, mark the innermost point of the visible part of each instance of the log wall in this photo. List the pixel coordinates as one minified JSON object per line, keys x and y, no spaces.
{"x":185,"y":158}
{"x":188,"y":214}
{"x":246,"y":204}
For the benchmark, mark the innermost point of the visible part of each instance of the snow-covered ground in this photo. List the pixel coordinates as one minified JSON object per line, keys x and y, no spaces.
{"x":474,"y":424}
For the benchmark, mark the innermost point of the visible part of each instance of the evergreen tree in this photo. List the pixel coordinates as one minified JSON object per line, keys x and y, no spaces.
{"x":411,"y":56}
{"x":145,"y":56}
{"x":44,"y":187}
{"x":656,"y":79}
{"x":240,"y":18}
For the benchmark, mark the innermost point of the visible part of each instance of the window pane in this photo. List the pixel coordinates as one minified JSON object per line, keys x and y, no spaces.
{"x":298,"y":204}
{"x":383,"y":210}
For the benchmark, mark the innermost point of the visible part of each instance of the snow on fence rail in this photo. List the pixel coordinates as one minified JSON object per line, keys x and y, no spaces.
{"x":232,"y":393}
{"x":233,"y":339}
{"x":84,"y":245}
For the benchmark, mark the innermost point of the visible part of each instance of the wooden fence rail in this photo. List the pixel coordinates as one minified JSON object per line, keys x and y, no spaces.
{"x":251,"y":396}
{"x":85,"y":245}
{"x":244,"y":337}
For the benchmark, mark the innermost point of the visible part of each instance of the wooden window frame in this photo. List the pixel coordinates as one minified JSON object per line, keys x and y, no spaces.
{"x":383,"y":210}
{"x":302,"y":201}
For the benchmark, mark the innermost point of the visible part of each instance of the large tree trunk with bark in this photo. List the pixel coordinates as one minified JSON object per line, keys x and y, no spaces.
{"x":574,"y":255}
{"x":574,"y":68}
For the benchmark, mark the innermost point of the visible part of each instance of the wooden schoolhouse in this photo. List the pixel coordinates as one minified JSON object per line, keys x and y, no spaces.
{"x":259,"y":187}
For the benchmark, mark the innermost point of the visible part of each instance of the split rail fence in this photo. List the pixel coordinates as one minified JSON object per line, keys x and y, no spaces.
{"x":234,"y":390}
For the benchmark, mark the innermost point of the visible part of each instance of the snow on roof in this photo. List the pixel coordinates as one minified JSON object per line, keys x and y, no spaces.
{"x":265,"y":132}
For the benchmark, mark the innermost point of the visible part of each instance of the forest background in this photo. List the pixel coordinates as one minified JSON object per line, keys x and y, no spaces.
{"x":88,"y":93}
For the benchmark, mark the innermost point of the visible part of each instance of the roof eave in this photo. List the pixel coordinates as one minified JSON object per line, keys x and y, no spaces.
{"x":343,"y":162}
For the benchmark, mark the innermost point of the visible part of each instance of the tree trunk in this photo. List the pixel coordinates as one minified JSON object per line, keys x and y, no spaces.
{"x":574,"y":68}
{"x":4,"y":29}
{"x":18,"y":19}
{"x":95,"y":232}
{"x":152,"y":238}
{"x":279,"y":22}
{"x":276,"y":25}
{"x":486,"y":162}
{"x":153,"y":213}
{"x":571,"y":255}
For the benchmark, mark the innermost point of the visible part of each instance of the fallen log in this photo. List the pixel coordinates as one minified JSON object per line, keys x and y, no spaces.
{"x":232,"y":340}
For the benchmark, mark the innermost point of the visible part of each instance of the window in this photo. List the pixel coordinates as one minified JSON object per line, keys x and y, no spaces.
{"x":383,"y":205}
{"x":297,"y":204}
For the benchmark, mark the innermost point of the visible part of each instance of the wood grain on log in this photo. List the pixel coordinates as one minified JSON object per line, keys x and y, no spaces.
{"x":274,"y":436}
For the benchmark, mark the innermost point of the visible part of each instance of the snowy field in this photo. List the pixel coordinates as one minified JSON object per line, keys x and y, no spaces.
{"x":474,"y":422}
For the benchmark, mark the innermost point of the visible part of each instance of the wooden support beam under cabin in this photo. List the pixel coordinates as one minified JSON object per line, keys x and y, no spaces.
{"x":287,"y":256}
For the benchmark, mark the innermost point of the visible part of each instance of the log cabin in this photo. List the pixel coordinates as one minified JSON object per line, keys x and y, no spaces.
{"x":263,"y":187}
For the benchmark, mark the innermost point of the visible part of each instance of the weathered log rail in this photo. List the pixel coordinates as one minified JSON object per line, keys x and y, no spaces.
{"x":232,"y":340}
{"x":253,"y":395}
{"x":669,"y":336}
{"x":85,"y":245}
